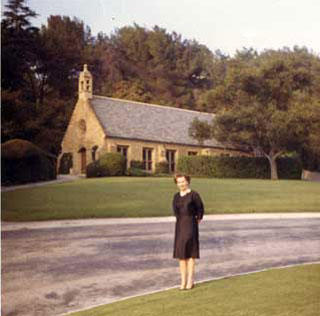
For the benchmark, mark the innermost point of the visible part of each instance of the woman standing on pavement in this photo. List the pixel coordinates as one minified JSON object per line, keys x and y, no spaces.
{"x":188,"y":209}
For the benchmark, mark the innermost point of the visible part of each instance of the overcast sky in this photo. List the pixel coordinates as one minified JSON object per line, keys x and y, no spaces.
{"x":227,"y":25}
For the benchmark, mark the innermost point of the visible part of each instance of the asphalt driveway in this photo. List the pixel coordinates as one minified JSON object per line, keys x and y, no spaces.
{"x":52,"y":268}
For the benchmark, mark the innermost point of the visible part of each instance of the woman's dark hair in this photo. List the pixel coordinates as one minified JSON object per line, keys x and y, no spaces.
{"x":181,"y":175}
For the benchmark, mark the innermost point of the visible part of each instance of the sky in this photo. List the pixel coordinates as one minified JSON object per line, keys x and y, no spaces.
{"x":227,"y":25}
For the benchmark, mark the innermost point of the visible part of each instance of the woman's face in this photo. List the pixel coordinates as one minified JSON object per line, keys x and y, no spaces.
{"x":182,"y":184}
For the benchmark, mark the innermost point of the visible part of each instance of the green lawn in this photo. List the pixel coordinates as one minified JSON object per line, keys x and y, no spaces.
{"x":280,"y":292}
{"x":144,"y":197}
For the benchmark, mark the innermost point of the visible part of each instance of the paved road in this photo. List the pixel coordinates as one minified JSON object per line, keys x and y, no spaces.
{"x":56,"y":268}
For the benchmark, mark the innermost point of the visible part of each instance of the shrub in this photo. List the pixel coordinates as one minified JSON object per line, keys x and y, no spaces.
{"x":310,"y":161}
{"x":110,"y":164}
{"x":93,"y":170}
{"x":238,"y":167}
{"x":137,"y":172}
{"x":23,"y":162}
{"x":136,"y":164}
{"x":289,"y":168}
{"x":162,"y":167}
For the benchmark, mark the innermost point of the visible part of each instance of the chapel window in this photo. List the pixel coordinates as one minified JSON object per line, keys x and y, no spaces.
{"x":147,"y":158}
{"x":93,"y":152}
{"x":123,"y":150}
{"x":170,"y":155}
{"x":82,"y":125}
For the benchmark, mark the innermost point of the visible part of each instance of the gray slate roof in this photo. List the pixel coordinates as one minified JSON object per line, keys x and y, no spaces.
{"x":148,"y":122}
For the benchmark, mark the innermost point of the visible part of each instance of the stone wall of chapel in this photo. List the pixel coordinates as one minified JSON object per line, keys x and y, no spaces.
{"x":83,"y":132}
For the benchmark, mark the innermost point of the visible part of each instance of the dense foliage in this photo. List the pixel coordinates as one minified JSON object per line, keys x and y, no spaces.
{"x":269,"y":103}
{"x":162,"y":167}
{"x":23,"y":162}
{"x":110,"y":164}
{"x":237,"y":167}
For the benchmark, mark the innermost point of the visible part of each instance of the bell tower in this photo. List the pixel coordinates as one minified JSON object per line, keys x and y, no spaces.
{"x":85,"y":84}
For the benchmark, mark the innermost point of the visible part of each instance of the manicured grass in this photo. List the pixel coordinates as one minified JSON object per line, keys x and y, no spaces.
{"x":280,"y":292}
{"x":145,"y":197}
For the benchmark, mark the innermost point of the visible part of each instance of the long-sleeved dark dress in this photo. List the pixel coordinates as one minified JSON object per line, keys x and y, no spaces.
{"x":188,"y":209}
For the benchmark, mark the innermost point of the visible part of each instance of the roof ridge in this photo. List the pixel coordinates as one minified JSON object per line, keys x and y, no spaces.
{"x":152,"y":104}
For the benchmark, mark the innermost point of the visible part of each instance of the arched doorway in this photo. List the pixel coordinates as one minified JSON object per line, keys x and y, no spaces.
{"x":83,"y":159}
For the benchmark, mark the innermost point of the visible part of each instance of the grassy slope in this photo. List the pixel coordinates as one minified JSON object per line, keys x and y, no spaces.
{"x":284,"y":292}
{"x":136,"y":197}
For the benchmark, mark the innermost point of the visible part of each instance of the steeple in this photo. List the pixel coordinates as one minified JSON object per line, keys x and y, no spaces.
{"x":85,"y":83}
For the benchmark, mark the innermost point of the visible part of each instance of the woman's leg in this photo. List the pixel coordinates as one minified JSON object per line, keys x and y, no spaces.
{"x":190,"y":267}
{"x":183,"y":272}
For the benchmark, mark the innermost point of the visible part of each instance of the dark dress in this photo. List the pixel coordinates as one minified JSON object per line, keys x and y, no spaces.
{"x":187,"y":209}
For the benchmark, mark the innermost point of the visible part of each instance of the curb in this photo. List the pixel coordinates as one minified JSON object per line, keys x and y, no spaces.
{"x":199,"y":282}
{"x":11,"y":226}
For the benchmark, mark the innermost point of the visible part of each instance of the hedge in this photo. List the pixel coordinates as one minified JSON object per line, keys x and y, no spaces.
{"x":110,"y":164}
{"x":238,"y":167}
{"x":136,"y":164}
{"x":137,"y":172}
{"x":23,"y":162}
{"x":162,"y":167}
{"x":310,"y":161}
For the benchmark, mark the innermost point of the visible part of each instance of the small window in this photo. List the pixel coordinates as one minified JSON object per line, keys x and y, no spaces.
{"x":82,"y":125}
{"x":147,"y":158}
{"x":170,"y":155}
{"x":93,"y":152}
{"x":123,"y":150}
{"x":192,"y":153}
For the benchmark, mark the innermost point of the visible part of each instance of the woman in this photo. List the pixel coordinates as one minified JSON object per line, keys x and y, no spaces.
{"x":188,"y":209}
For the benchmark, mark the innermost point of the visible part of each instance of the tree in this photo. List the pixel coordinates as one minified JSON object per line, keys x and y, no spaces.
{"x":310,"y":121}
{"x":18,"y":43}
{"x":18,"y":15}
{"x":64,"y":42}
{"x":154,"y":66}
{"x":266,"y":130}
{"x":200,"y":130}
{"x":272,"y":99}
{"x":39,"y":75}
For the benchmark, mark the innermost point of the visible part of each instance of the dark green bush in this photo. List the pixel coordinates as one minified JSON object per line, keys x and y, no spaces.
{"x":93,"y":170}
{"x":110,"y":164}
{"x":24,"y":162}
{"x":137,"y":172}
{"x":162,"y":167}
{"x":289,"y":168}
{"x":136,"y":164}
{"x":310,"y":161}
{"x":237,"y":167}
